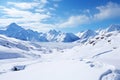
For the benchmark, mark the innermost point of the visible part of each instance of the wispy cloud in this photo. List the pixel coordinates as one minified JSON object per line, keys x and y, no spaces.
{"x":41,"y":1}
{"x":110,"y":10}
{"x":75,"y":21}
{"x":21,"y":13}
{"x":24,"y":15}
{"x":34,"y":14}
{"x":23,"y":5}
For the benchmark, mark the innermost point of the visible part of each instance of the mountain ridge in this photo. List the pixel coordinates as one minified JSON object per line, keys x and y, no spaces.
{"x":16,"y":31}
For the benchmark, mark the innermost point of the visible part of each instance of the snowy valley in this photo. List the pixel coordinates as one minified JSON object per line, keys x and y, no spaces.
{"x":88,"y":55}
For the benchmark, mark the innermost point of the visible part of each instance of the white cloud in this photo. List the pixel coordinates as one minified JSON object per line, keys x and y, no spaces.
{"x":110,"y":10}
{"x":31,"y":14}
{"x":44,"y":1}
{"x":52,"y":9}
{"x":75,"y":21}
{"x":22,"y":17}
{"x":36,"y":26}
{"x":20,"y":13}
{"x":24,"y":5}
{"x":27,"y":15}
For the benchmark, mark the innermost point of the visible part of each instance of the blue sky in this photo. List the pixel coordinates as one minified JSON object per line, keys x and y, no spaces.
{"x":65,"y":15}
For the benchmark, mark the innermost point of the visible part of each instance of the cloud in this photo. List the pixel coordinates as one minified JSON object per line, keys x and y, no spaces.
{"x":33,"y":19}
{"x":27,"y":15}
{"x":24,"y":5}
{"x":33,"y":15}
{"x":36,"y":26}
{"x":30,"y":15}
{"x":111,"y":10}
{"x":108,"y":11}
{"x":75,"y":21}
{"x":43,"y":2}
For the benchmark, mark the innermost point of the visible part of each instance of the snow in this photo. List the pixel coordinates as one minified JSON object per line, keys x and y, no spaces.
{"x":95,"y":59}
{"x":56,"y":70}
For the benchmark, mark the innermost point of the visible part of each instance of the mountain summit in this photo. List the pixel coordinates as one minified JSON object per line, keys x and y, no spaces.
{"x":14,"y":27}
{"x":84,"y":36}
{"x":113,"y":27}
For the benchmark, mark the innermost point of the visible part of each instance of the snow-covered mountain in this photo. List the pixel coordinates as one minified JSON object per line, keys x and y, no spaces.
{"x":113,"y":27}
{"x":88,"y":34}
{"x":16,"y":31}
{"x":84,"y":36}
{"x":79,"y":34}
{"x":51,"y":35}
{"x":58,"y":36}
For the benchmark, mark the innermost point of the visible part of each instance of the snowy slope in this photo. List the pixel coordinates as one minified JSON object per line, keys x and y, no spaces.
{"x":56,"y":70}
{"x":99,"y":52}
{"x":11,"y":48}
{"x":96,"y":59}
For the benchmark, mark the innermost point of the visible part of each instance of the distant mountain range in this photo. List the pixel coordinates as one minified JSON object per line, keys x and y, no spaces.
{"x":16,"y":31}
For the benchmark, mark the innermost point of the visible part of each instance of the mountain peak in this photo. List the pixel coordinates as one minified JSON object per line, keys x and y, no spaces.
{"x":53,"y":31}
{"x":14,"y":27}
{"x":113,"y":27}
{"x":88,"y":33}
{"x":13,"y":24}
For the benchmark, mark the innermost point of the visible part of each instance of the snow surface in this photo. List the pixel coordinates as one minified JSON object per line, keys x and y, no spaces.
{"x":96,"y":59}
{"x":56,"y":70}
